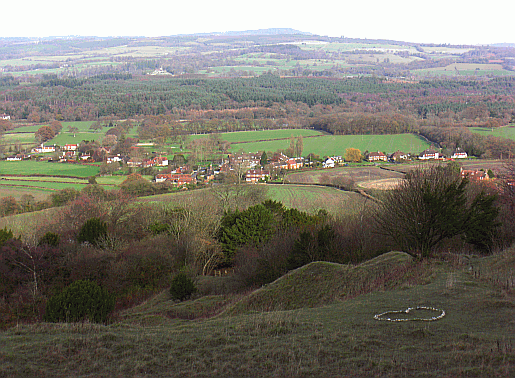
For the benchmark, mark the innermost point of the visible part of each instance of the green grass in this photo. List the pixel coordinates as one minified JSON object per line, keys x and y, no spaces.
{"x":340,"y":338}
{"x":252,"y":136}
{"x":504,"y":132}
{"x":29,"y":167}
{"x":313,"y":198}
{"x":329,"y":145}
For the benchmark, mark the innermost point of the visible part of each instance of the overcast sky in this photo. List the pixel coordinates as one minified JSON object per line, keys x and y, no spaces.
{"x":436,"y":21}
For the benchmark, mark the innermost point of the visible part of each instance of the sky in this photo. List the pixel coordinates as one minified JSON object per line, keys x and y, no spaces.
{"x":436,"y":21}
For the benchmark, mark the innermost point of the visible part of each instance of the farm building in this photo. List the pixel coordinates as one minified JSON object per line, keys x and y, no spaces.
{"x":398,"y":156}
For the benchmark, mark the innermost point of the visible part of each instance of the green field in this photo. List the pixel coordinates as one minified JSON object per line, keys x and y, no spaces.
{"x":312,"y":198}
{"x":252,"y":136}
{"x":504,"y":132}
{"x":465,"y":69}
{"x":25,"y":134}
{"x":29,"y":167}
{"x":330,"y":145}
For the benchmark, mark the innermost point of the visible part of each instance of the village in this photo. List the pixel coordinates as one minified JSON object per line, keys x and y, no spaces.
{"x":246,"y":167}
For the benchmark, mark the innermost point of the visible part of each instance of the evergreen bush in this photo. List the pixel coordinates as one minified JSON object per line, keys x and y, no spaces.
{"x":92,"y":230}
{"x":182,"y":286}
{"x":82,"y":300}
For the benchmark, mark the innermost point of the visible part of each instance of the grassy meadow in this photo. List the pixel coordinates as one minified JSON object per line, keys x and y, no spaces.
{"x":29,"y":168}
{"x":507,"y":132}
{"x":316,"y":321}
{"x":330,"y":145}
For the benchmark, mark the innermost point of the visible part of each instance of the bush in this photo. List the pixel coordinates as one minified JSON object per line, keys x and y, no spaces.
{"x":92,"y":230}
{"x":182,"y":286}
{"x":82,"y":300}
{"x":50,"y":238}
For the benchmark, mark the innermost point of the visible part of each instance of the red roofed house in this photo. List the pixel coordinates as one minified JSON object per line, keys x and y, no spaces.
{"x":474,"y":174}
{"x":377,"y":156}
{"x":70,"y":147}
{"x":177,"y":179}
{"x":160,"y":161}
{"x":255,"y":175}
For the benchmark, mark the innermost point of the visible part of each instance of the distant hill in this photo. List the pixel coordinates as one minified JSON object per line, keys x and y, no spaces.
{"x":503,"y":44}
{"x":269,"y":31}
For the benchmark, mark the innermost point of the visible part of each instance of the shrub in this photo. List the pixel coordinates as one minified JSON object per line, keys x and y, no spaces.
{"x":82,"y":300}
{"x":5,"y":235}
{"x":182,"y":286}
{"x":92,"y":230}
{"x":50,"y":238}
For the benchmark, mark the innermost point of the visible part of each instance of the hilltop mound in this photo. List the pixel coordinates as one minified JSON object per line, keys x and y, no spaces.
{"x":320,"y":283}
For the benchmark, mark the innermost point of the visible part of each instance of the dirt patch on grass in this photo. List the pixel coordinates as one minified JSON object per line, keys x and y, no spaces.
{"x":385,"y":184}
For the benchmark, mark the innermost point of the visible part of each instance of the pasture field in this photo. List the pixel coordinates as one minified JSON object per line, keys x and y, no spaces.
{"x":311,"y":198}
{"x":465,"y":69}
{"x":507,"y":132}
{"x":29,"y":168}
{"x":260,"y":135}
{"x":25,"y":134}
{"x":330,"y":145}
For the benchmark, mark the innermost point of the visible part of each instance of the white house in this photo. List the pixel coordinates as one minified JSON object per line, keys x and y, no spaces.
{"x":429,"y":154}
{"x":328,"y":163}
{"x":459,"y":154}
{"x":42,"y":148}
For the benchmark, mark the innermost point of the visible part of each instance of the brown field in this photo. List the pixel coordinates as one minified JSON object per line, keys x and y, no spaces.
{"x":360,"y":175}
{"x":384,"y":184}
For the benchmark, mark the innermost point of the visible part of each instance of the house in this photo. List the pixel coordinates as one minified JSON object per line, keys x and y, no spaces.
{"x":398,"y":156}
{"x":5,"y":117}
{"x":70,"y":147}
{"x":114,"y":159}
{"x":255,"y":175}
{"x":474,"y":174}
{"x":134,"y":163}
{"x":294,"y":163}
{"x":328,"y":163}
{"x":43,"y":149}
{"x":160,"y":161}
{"x":68,"y":155}
{"x":459,"y":154}
{"x":249,"y":160}
{"x":376,"y":156}
{"x":429,"y":154}
{"x":177,"y":179}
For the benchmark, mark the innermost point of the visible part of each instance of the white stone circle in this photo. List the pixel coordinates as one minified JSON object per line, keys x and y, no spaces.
{"x":407,"y":311}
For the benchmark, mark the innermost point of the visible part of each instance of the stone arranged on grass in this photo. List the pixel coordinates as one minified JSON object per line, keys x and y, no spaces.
{"x":396,"y":316}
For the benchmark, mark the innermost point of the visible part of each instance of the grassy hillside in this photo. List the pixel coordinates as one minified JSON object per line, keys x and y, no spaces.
{"x":330,"y":145}
{"x":341,"y":338}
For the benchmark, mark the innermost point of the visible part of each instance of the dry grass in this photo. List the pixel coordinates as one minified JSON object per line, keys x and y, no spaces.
{"x":341,"y":338}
